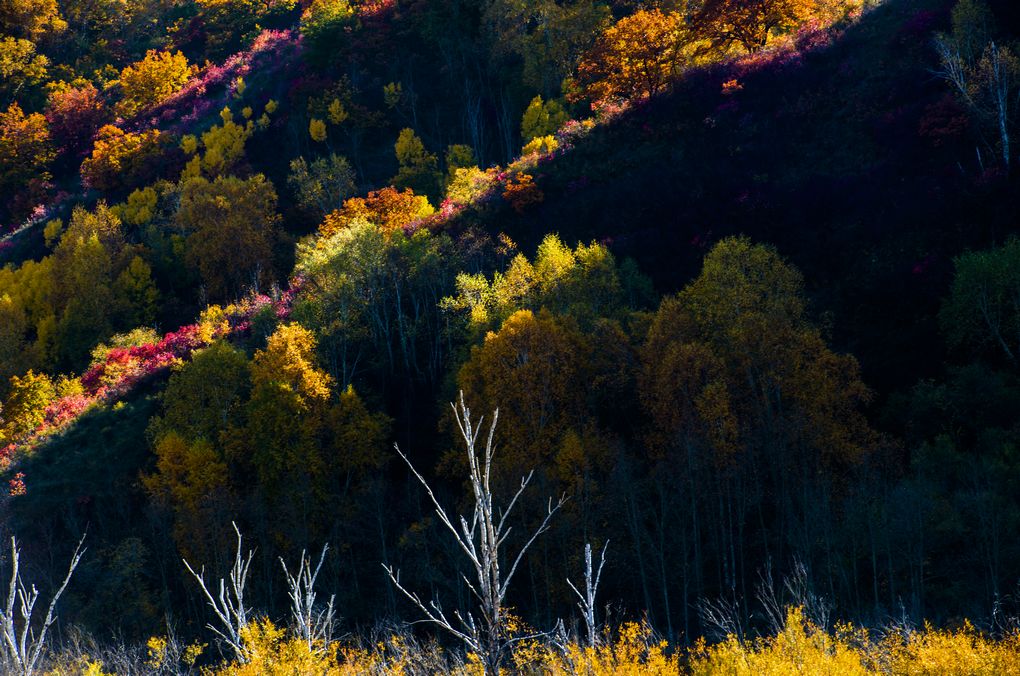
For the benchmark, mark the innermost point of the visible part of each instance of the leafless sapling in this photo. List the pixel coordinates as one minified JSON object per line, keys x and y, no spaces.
{"x":481,"y":537}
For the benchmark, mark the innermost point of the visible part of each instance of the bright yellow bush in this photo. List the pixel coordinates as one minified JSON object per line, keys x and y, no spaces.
{"x":935,"y":652}
{"x":635,"y":652}
{"x":800,"y":648}
{"x":272,"y":653}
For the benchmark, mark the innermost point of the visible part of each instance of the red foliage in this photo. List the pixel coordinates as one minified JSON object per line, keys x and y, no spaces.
{"x":74,"y":116}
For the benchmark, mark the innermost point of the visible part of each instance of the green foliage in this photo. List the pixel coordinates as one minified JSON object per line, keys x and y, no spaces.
{"x":324,"y":185}
{"x":584,"y":283}
{"x":373,"y":298}
{"x":231,"y":23}
{"x":983,"y":308}
{"x":542,"y":119}
{"x":21,"y":67}
{"x":324,"y":24}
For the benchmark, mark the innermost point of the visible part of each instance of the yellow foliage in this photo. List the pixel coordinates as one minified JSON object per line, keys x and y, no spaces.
{"x":337,"y":112}
{"x":272,"y":653}
{"x":935,"y":652}
{"x":116,"y":154}
{"x":289,"y":362}
{"x":634,"y":653}
{"x":317,"y":130}
{"x":152,"y":80}
{"x":52,"y":231}
{"x":157,"y":652}
{"x":139,"y":208}
{"x":189,"y":144}
{"x":800,"y":648}
{"x":540,"y":145}
{"x":224,"y":144}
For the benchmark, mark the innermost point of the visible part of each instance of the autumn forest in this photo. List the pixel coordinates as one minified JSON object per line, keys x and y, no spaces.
{"x":509,"y":336}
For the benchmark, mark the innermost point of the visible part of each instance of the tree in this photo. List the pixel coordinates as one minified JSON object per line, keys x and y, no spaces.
{"x":585,"y":283}
{"x":544,"y":36}
{"x":120,"y":157}
{"x":203,"y":402}
{"x":638,"y":56}
{"x":25,"y":407}
{"x":20,"y":67}
{"x":85,"y":288}
{"x":749,"y":412}
{"x":30,"y":19}
{"x":14,"y":344}
{"x":373,"y":295}
{"x":984,"y":304}
{"x":224,"y":144}
{"x":418,"y":167}
{"x":984,"y":75}
{"x":324,"y":24}
{"x":390,"y":209}
{"x":231,"y":226}
{"x":152,"y":80}
{"x":750,"y":23}
{"x":136,"y":295}
{"x":534,"y":368}
{"x":25,"y":156}
{"x":542,"y":119}
{"x":481,"y":538}
{"x":204,"y":397}
{"x":231,"y":23}
{"x":21,"y":648}
{"x":75,"y":113}
{"x":286,"y":423}
{"x":323,"y":185}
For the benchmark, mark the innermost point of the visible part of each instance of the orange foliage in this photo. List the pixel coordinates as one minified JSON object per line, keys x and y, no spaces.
{"x":389,"y":208}
{"x":636,"y":57}
{"x":750,"y":23}
{"x":521,"y":192}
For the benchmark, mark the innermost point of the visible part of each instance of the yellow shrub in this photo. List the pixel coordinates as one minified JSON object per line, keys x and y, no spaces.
{"x":964,"y":652}
{"x":272,"y":653}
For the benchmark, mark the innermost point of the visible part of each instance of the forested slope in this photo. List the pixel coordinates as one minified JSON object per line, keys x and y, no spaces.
{"x":740,"y":278}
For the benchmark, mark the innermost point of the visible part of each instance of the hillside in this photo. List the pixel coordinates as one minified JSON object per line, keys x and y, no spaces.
{"x":741,"y":285}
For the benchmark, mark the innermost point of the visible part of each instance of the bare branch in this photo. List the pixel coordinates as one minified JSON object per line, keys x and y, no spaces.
{"x":228,"y":605}
{"x":21,"y":649}
{"x":481,"y":538}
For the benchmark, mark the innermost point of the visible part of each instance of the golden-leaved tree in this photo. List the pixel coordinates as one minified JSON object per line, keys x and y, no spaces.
{"x":152,"y":80}
{"x":751,"y":23}
{"x":637,"y":56}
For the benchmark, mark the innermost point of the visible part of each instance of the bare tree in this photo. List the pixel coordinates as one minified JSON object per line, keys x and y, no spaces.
{"x":480,"y":538}
{"x":21,"y":649}
{"x":591,"y":588}
{"x":228,"y":605}
{"x":988,"y":86}
{"x":313,"y":625}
